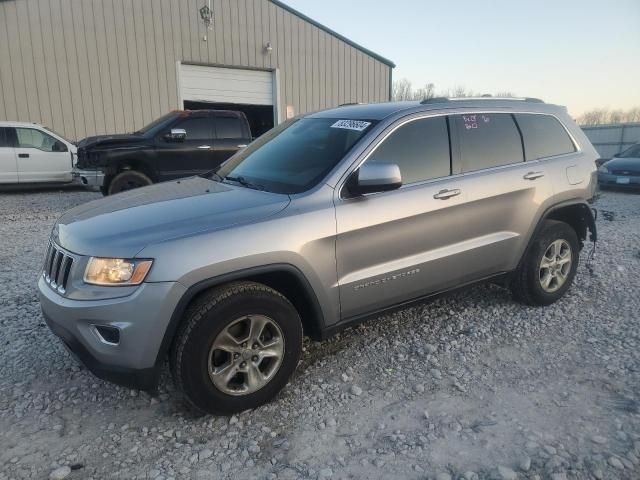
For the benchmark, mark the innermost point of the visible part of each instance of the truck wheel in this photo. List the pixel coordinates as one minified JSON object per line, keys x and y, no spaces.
{"x":128,"y":180}
{"x":236,"y":348}
{"x":550,"y":265}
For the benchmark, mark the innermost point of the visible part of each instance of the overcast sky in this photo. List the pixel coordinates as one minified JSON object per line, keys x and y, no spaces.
{"x":580,"y":53}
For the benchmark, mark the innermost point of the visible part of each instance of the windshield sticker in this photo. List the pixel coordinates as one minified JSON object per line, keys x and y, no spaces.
{"x":357,"y":125}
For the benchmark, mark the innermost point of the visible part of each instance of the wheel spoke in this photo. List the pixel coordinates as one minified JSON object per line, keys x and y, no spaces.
{"x":546,"y":262}
{"x":227,"y":342}
{"x":256,"y":327}
{"x":254,"y":377}
{"x":546,"y":280}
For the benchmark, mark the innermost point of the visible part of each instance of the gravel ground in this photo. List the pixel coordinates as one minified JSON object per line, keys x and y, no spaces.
{"x":469,"y":386}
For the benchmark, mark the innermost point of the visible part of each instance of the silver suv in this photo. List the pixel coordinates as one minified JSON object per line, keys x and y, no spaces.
{"x":324,"y":221}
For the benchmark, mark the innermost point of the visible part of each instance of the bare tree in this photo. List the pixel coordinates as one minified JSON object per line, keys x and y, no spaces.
{"x":403,"y":90}
{"x":603,"y":116}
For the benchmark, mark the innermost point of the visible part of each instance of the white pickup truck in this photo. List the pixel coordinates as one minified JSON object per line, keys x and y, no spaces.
{"x":31,"y":153}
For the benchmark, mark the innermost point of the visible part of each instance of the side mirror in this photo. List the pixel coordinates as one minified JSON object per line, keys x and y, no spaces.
{"x":176,"y":135}
{"x":58,"y":146}
{"x":373,"y":177}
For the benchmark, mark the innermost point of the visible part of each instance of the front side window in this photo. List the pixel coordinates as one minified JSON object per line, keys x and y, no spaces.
{"x":228,"y":127}
{"x":487,"y":140}
{"x":420,"y":148}
{"x":296,"y":155}
{"x":543,"y":136}
{"x":197,"y":128}
{"x":31,"y":138}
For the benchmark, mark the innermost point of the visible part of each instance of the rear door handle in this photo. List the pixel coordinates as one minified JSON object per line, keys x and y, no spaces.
{"x":533,"y":175}
{"x":445,"y":194}
{"x":23,"y":155}
{"x":204,"y":147}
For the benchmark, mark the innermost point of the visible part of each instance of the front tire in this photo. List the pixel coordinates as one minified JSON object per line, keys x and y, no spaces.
{"x":128,"y":180}
{"x":549,"y":267}
{"x":236,"y":348}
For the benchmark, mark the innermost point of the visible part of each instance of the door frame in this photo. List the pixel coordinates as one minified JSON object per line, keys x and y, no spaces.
{"x":275,"y":83}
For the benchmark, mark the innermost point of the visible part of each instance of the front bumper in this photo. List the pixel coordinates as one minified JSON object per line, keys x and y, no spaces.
{"x":90,"y":178}
{"x":141,"y":319}
{"x":611,"y":180}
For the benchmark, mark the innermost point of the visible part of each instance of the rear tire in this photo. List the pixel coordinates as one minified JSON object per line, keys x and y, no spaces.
{"x":550,"y":264}
{"x":236,"y":348}
{"x":128,"y":180}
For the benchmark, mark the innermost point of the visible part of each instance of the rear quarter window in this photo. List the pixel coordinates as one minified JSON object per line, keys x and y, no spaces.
{"x":487,"y":140}
{"x":543,"y":136}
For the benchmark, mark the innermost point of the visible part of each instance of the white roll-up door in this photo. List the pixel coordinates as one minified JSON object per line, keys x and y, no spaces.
{"x":225,"y":85}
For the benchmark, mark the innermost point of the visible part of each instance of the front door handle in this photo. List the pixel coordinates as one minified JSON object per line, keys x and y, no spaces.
{"x":533,"y":175}
{"x":204,"y":147}
{"x":23,"y":155}
{"x":445,"y":194}
{"x":241,"y":146}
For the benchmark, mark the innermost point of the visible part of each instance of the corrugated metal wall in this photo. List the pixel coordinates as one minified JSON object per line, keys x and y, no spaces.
{"x":85,"y":67}
{"x":611,"y":139}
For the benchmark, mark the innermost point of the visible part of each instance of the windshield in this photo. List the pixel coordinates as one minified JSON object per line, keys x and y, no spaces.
{"x":296,"y":155}
{"x":60,"y":136}
{"x":156,"y":122}
{"x":631,"y":152}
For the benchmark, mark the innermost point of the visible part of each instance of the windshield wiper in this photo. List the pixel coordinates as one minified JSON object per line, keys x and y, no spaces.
{"x":211,"y":174}
{"x":244,"y":182}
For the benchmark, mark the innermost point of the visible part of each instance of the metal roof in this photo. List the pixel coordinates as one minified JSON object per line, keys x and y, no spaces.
{"x":298,"y":14}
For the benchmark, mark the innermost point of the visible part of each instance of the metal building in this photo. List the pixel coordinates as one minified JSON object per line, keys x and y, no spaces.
{"x":86,"y":67}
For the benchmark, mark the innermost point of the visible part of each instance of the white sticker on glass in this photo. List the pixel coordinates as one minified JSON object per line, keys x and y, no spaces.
{"x":358,"y":125}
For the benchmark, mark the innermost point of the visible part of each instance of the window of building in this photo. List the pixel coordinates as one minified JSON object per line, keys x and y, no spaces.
{"x":420,"y":148}
{"x":543,"y":136}
{"x":487,"y":140}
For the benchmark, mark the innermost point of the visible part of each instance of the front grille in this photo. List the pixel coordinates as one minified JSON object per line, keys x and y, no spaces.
{"x":625,"y":173}
{"x":57,"y":266}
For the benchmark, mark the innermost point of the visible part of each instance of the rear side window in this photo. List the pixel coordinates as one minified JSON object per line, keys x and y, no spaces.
{"x":543,"y":136}
{"x":487,"y":140}
{"x":4,"y":141}
{"x":420,"y":148}
{"x":197,"y":128}
{"x":229,"y":127}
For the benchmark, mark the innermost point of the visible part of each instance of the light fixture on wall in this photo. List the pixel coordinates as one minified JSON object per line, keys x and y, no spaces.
{"x":268,"y":48}
{"x":206,"y":14}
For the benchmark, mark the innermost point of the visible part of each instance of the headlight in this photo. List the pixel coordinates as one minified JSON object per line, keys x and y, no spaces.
{"x":603,"y":169}
{"x":116,"y":271}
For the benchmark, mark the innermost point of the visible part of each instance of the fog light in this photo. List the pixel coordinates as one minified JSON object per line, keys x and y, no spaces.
{"x":110,"y":335}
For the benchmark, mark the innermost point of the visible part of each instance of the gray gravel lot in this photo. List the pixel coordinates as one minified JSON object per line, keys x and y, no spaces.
{"x":469,"y":386}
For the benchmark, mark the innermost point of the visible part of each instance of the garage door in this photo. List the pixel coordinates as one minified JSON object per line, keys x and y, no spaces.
{"x":226,"y":85}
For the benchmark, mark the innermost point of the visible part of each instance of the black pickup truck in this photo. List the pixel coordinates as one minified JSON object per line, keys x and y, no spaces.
{"x":179,"y":144}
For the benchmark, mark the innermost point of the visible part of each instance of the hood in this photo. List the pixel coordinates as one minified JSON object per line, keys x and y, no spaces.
{"x":110,"y":140}
{"x":121,"y":225}
{"x":625,"y":164}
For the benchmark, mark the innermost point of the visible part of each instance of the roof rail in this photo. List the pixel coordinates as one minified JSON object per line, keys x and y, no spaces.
{"x":350,"y":103}
{"x":427,"y":101}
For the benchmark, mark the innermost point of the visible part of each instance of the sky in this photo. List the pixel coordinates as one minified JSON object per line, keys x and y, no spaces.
{"x":584,"y":54}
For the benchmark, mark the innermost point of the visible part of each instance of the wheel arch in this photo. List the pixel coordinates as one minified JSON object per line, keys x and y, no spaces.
{"x":284,"y":278}
{"x":576,"y":213}
{"x":130,"y":163}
